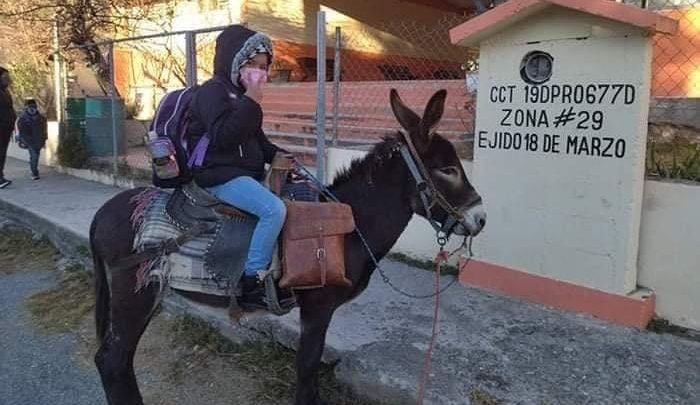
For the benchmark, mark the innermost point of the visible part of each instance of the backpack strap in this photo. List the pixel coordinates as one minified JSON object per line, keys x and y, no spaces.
{"x":199,"y":152}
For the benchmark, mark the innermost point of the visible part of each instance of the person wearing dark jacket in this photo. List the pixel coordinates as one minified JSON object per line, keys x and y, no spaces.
{"x":7,"y":122}
{"x":31,"y":131}
{"x":227,"y":108}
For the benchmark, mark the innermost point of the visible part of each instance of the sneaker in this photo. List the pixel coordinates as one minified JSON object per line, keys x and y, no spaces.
{"x":4,"y":183}
{"x":253,"y":297}
{"x":36,"y":177}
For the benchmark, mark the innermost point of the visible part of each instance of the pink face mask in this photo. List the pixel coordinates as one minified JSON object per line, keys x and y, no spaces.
{"x":252,"y":76}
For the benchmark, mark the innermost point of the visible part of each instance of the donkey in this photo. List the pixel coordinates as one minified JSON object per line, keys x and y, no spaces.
{"x":382,"y":190}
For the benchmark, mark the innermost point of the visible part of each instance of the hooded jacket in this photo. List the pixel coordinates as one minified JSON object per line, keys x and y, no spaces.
{"x":31,"y":126}
{"x":7,"y":112}
{"x":233,"y":121}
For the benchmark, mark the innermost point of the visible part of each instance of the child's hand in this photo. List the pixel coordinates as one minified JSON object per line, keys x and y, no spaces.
{"x":253,"y":79}
{"x":255,"y":92}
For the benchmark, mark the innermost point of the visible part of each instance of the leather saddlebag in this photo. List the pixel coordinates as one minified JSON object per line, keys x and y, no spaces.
{"x":313,"y":244}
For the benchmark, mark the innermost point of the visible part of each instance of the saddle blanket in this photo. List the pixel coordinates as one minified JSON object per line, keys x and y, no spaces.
{"x":197,"y":266}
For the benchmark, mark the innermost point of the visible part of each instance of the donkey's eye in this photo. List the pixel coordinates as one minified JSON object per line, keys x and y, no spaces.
{"x":449,"y":171}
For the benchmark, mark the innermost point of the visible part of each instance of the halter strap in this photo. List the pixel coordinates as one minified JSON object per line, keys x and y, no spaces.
{"x":427,"y":189}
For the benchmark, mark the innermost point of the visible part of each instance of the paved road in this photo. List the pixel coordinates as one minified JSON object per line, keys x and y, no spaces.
{"x":36,"y":368}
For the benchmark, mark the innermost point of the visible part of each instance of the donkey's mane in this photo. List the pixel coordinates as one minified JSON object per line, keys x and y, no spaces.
{"x":362,"y":168}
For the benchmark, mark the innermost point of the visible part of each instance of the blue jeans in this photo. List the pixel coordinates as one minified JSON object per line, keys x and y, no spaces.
{"x":251,"y":196}
{"x":34,"y":160}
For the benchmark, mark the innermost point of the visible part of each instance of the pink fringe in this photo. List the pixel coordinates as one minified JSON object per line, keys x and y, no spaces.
{"x":141,"y":202}
{"x":141,"y":274}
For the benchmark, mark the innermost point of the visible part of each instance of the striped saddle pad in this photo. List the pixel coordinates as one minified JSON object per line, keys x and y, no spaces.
{"x":210,"y":263}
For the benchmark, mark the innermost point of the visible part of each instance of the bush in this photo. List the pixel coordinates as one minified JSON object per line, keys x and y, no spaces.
{"x":673,"y":152}
{"x":72,"y":151}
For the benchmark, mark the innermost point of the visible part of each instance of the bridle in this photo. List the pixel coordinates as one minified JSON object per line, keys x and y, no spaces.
{"x":430,"y":195}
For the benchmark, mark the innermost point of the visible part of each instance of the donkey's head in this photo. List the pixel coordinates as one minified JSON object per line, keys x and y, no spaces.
{"x":456,"y":205}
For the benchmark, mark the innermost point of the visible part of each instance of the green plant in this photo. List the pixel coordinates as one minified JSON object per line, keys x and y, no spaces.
{"x":674,"y":160}
{"x":72,"y":151}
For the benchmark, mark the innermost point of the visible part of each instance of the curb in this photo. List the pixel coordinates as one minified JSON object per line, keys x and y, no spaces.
{"x":68,"y":242}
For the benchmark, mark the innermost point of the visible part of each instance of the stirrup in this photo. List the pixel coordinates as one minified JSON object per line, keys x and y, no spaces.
{"x":274,"y":304}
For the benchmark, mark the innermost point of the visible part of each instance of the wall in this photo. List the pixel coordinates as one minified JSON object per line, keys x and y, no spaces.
{"x":369,"y":36}
{"x":669,"y":257}
{"x":669,"y":250}
{"x":295,"y":20}
{"x":568,"y":213}
{"x":679,"y":111}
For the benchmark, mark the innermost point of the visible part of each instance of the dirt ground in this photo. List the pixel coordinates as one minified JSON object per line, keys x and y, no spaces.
{"x":180,"y":359}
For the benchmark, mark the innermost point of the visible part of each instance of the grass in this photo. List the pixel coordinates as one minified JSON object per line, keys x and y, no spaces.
{"x":674,"y":161}
{"x":447,"y":269}
{"x":480,"y":397}
{"x":65,"y":308}
{"x":673,"y":152}
{"x":272,"y":362}
{"x":61,"y":309}
{"x":58,"y":309}
{"x":83,"y":251}
{"x":21,"y":251}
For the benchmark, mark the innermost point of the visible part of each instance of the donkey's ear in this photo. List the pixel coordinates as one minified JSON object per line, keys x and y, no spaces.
{"x":409,"y":120}
{"x":432,"y":115}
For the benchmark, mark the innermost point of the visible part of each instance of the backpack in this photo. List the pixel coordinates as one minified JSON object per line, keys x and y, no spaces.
{"x":167,"y":142}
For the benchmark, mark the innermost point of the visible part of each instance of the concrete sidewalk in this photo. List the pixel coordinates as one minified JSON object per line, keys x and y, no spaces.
{"x":488,"y":346}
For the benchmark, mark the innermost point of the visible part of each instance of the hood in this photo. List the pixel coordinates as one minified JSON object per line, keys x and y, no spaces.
{"x":2,"y":71}
{"x":233,"y":46}
{"x":30,"y":113}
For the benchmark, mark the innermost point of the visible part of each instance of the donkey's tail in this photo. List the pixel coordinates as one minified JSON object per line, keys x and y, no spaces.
{"x":102,"y":296}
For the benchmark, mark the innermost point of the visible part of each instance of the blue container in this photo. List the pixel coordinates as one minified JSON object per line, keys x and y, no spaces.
{"x":98,"y":126}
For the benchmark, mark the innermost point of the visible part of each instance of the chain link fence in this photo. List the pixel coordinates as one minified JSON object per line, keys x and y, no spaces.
{"x":135,"y":73}
{"x":144,"y":71}
{"x":674,"y":129}
{"x":413,"y":58}
{"x":109,"y":104}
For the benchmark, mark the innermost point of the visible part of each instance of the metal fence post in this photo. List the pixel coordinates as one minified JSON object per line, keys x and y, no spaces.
{"x":191,"y":58}
{"x":321,"y":97}
{"x":336,"y":83}
{"x":113,"y":102}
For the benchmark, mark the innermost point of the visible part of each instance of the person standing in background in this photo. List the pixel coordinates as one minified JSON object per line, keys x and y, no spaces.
{"x":7,"y":122}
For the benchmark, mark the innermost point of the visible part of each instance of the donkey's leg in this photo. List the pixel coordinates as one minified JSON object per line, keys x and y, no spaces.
{"x":317,"y":309}
{"x":130,"y":314}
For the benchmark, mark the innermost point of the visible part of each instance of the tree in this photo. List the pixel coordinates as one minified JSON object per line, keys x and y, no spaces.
{"x":29,"y":28}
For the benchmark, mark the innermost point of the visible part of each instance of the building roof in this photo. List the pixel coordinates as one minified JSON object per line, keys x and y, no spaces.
{"x":499,"y":18}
